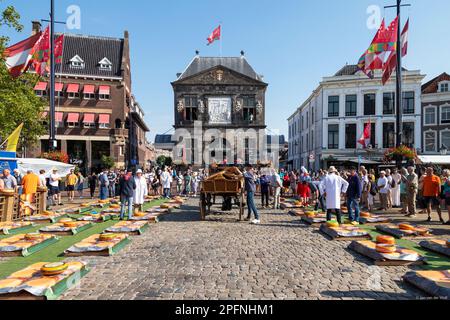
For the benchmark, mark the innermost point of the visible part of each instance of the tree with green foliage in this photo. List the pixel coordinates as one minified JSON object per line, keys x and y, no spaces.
{"x":107,"y":162}
{"x":18,"y":102}
{"x":161,"y":161}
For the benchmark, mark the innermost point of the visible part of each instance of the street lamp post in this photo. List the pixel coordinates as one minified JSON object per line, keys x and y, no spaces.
{"x":52,"y":138}
{"x":399,"y":96}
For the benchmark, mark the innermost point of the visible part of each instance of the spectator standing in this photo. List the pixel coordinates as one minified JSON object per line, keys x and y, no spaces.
{"x":72,"y":180}
{"x":373,"y":191}
{"x":277,"y":185}
{"x":383,"y":188}
{"x":265,"y":191}
{"x":354,"y":193}
{"x":9,"y":181}
{"x":412,"y":186}
{"x":250,"y":188}
{"x":141,"y":190}
{"x":395,"y":188}
{"x":431,"y":193}
{"x":42,"y":179}
{"x":334,"y":186}
{"x":92,"y":182}
{"x":80,"y":185}
{"x":55,"y":179}
{"x":30,"y":184}
{"x":166,"y":182}
{"x":403,"y":190}
{"x":104,"y":184}
{"x":127,"y":187}
{"x":112,"y":177}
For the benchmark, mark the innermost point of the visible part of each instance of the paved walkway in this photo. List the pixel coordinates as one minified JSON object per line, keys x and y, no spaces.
{"x":184,"y":258}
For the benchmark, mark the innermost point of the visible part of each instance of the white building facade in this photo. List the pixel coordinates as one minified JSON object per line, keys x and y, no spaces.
{"x":325,"y":129}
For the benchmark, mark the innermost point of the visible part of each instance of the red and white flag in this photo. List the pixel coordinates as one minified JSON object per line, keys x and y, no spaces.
{"x":391,"y":64}
{"x":17,"y":56}
{"x":366,"y":136}
{"x":215,"y":35}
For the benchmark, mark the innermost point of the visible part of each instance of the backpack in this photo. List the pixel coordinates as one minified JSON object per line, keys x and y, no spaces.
{"x":373,"y":189}
{"x":393,"y":184}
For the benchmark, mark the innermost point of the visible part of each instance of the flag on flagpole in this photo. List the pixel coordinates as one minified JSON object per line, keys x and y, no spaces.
{"x":215,"y":35}
{"x":366,"y":136}
{"x":391,"y":64}
{"x":383,"y":42}
{"x":16,"y":56}
{"x":13,"y":139}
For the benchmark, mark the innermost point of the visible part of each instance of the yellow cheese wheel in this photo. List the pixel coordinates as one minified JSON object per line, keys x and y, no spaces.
{"x":85,"y":205}
{"x":140,"y":214}
{"x":333,"y":224}
{"x":33,"y":236}
{"x":164,"y":206}
{"x":310,"y":214}
{"x":386,"y":240}
{"x":65,"y":220}
{"x":386,"y":248}
{"x":54,"y":268}
{"x":108,"y":236}
{"x":72,"y":224}
{"x":422,"y":231}
{"x":47,"y":213}
{"x":365,"y":215}
{"x":406,"y":227}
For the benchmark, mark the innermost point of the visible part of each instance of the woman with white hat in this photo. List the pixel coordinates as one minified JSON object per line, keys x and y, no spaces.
{"x":141,"y":190}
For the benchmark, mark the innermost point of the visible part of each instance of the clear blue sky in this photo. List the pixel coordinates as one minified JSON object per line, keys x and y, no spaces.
{"x":293,"y":43}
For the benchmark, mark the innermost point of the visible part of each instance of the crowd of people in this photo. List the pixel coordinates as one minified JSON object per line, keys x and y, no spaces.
{"x":361,"y":189}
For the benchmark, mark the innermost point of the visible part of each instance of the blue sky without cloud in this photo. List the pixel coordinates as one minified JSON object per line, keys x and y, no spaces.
{"x":293,"y":43}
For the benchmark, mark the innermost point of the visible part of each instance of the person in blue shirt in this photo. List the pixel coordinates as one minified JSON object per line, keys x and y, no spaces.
{"x":354,"y":193}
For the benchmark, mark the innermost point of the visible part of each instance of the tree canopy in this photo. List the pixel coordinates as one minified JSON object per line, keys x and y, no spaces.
{"x":18,"y":102}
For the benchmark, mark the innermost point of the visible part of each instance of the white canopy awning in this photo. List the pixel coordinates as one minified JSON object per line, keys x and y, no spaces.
{"x":434,"y":159}
{"x":43,"y":164}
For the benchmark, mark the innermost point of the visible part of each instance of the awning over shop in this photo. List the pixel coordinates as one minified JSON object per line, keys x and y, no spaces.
{"x":104,"y":90}
{"x":89,"y":89}
{"x":41,"y":86}
{"x":59,"y":116}
{"x":73,"y":117}
{"x":73,"y":88}
{"x":435,"y":160}
{"x":59,"y":87}
{"x":89,"y":118}
{"x":104,"y":119}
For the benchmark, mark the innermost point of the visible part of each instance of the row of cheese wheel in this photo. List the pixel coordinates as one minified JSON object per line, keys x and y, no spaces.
{"x":386,"y":244}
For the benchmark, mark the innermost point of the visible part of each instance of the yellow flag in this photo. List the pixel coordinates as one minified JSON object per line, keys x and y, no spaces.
{"x":13,"y":140}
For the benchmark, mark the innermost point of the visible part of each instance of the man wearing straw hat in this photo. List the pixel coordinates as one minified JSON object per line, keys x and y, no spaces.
{"x":334,"y":186}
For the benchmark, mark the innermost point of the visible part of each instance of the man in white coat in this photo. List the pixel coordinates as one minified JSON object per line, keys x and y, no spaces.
{"x":334,"y":186}
{"x":166,"y":182}
{"x":141,"y":190}
{"x":395,"y":188}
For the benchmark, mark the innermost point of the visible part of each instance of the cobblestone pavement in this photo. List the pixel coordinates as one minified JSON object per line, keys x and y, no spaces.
{"x":184,"y":258}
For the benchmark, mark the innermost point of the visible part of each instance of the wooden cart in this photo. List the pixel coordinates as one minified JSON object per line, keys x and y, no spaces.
{"x":231,"y":188}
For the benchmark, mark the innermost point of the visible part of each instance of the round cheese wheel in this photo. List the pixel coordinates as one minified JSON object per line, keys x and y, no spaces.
{"x":365,"y":215}
{"x":108,"y":236}
{"x":71,"y":224}
{"x":332,"y":224}
{"x":386,"y":248}
{"x":140,"y":214}
{"x":386,"y":240}
{"x":406,"y":227}
{"x":33,"y":236}
{"x":56,"y":268}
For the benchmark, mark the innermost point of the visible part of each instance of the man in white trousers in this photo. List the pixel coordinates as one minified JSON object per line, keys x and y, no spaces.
{"x":334,"y":186}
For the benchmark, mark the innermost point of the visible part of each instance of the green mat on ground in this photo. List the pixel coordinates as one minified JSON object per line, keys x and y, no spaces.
{"x":54,"y":253}
{"x":434,"y":260}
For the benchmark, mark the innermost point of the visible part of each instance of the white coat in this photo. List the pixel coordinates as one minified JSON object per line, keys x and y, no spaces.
{"x":141,"y":190}
{"x":333,"y":185}
{"x":166,"y":180}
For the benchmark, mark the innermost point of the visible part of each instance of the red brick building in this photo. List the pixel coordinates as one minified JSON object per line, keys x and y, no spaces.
{"x":96,"y":112}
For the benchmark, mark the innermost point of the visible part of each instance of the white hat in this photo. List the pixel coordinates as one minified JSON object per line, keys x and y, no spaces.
{"x":139,"y":171}
{"x":332,"y":169}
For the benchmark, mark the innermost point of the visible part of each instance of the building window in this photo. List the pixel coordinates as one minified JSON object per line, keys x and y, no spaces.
{"x":73,"y":95}
{"x":312,"y":116}
{"x":191,"y":107}
{"x":105,"y":65}
{"x":408,"y":134}
{"x":350,"y":136}
{"x":351,"y":105}
{"x":445,"y":115}
{"x":307,"y":120}
{"x":369,"y":104}
{"x":389,"y":135}
{"x":430,"y":139}
{"x":444,"y":87}
{"x":445,"y":138}
{"x":302,"y":124}
{"x":41,"y":93}
{"x":333,"y":106}
{"x":104,"y":97}
{"x":59,"y":124}
{"x":373,"y":133}
{"x":430,"y":116}
{"x":73,"y":124}
{"x":249,"y":104}
{"x":76,"y":62}
{"x":333,"y":136}
{"x":388,"y":103}
{"x":408,"y":102}
{"x":89,"y":96}
{"x":103,"y":126}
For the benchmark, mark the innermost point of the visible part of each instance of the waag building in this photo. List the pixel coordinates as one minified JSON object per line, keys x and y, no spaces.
{"x":222,"y":96}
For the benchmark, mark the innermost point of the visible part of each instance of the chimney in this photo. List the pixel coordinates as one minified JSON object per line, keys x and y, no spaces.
{"x":36,"y":27}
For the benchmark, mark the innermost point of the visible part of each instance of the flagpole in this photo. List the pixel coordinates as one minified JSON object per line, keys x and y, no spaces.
{"x":52,"y":139}
{"x":221,"y":36}
{"x":399,"y":96}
